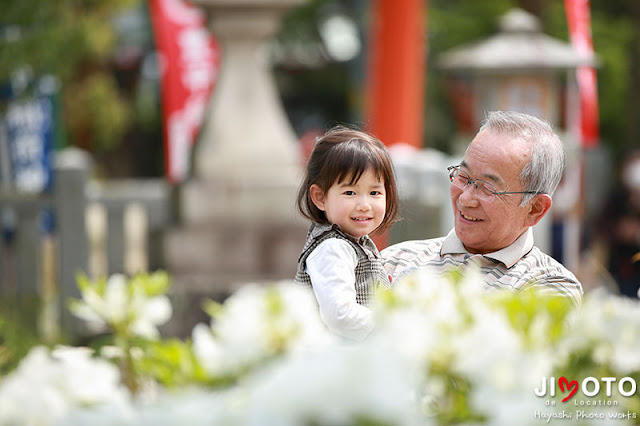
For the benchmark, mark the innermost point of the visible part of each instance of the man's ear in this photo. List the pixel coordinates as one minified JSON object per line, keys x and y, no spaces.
{"x":538,"y":207}
{"x":317,"y":196}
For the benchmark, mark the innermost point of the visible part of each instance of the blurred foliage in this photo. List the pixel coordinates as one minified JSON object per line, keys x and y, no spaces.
{"x":56,"y":37}
{"x":451,"y":23}
{"x":172,"y":363}
{"x":316,"y":91}
{"x":75,"y":40}
{"x":455,"y":22}
{"x":18,"y":330}
{"x":97,"y":111}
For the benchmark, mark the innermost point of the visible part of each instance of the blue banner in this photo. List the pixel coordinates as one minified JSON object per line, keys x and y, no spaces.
{"x":29,"y":126}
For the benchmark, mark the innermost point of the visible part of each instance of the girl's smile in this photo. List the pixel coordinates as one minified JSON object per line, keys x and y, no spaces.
{"x":357,"y":208}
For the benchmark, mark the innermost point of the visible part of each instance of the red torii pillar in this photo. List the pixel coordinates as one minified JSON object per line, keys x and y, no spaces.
{"x":394,"y":95}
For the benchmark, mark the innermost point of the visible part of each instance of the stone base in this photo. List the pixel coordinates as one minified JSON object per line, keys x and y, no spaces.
{"x":230,"y":233}
{"x":211,"y":261}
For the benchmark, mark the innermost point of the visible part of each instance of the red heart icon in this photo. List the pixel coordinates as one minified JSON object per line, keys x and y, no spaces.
{"x":573,"y":386}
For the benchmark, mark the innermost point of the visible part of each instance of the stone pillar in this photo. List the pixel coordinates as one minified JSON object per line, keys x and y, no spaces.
{"x":247,"y":154}
{"x":72,"y":171}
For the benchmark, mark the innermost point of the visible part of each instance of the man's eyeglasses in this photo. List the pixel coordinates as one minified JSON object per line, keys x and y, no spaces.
{"x":484,"y":190}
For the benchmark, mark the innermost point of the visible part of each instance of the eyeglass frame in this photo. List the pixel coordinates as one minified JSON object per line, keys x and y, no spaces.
{"x":470,"y":181}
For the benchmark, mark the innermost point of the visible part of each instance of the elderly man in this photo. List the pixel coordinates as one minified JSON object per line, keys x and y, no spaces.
{"x":502,"y":188}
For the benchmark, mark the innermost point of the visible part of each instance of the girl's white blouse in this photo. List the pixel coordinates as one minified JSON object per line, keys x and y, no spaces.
{"x":331,"y":267}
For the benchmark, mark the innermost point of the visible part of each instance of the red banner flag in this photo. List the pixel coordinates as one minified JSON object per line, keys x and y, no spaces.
{"x":188,"y":60}
{"x":579,"y":24}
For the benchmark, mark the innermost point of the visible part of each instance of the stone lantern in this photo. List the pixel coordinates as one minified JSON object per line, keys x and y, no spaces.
{"x":522,"y":69}
{"x":519,"y":69}
{"x":247,"y":159}
{"x":238,"y":217}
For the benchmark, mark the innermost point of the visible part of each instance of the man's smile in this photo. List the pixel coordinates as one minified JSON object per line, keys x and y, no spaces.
{"x":471,"y":218}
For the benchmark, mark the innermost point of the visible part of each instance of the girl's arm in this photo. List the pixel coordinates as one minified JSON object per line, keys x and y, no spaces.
{"x":331,"y":267}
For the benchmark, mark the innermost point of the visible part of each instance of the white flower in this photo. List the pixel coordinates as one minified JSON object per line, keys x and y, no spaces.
{"x":502,"y":372}
{"x":207,"y":350}
{"x":409,"y":333}
{"x":237,"y":338}
{"x":256,"y":323}
{"x":148,"y":313}
{"x":457,"y":325}
{"x":191,"y":406}
{"x":100,"y":310}
{"x":337,"y":386}
{"x":432,"y":333}
{"x":46,"y":386}
{"x":476,"y":348}
{"x":29,"y":396}
{"x":609,"y":327}
{"x":123,"y":305}
{"x":429,"y":311}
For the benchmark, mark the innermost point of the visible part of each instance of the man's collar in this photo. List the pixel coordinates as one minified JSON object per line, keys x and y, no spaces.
{"x":508,"y":255}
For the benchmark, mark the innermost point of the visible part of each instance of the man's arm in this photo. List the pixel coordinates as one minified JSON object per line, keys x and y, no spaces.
{"x":403,"y":258}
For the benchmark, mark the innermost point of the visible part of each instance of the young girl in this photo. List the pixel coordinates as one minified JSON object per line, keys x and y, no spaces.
{"x":349,"y":192}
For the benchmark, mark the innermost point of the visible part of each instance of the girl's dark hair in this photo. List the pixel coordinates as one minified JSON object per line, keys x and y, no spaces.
{"x":344,"y":154}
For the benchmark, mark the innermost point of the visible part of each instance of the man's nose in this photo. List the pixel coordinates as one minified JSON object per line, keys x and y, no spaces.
{"x":468,"y":195}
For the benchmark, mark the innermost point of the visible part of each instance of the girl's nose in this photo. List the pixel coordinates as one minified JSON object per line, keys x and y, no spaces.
{"x":363,"y":204}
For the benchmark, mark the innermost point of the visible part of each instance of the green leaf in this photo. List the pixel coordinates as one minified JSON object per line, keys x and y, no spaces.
{"x":151,"y":284}
{"x":171,"y":362}
{"x":212,"y":308}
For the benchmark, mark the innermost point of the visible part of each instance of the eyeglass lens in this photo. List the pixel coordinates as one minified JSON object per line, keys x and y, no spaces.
{"x":460,"y":179}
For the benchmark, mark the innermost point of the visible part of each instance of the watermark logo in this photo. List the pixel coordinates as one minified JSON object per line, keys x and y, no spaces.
{"x":562,"y":382}
{"x":594,"y":398}
{"x":590,"y":387}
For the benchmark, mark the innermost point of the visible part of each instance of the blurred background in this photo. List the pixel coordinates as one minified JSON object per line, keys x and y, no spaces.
{"x":103,"y":170}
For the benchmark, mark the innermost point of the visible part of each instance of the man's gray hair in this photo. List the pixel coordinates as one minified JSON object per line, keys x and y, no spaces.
{"x":546,"y":166}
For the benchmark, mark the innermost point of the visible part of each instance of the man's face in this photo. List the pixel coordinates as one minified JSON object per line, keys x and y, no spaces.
{"x":488,"y":226}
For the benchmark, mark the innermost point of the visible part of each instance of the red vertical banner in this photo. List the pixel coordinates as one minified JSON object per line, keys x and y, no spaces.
{"x":579,"y":24}
{"x":188,"y":58}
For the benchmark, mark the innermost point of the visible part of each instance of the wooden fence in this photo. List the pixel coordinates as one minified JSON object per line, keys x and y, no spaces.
{"x":79,"y":226}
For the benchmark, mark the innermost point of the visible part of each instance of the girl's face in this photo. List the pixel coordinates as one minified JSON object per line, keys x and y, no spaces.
{"x":357,"y":208}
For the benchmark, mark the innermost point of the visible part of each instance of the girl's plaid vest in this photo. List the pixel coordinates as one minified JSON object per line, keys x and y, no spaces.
{"x":370,"y":274}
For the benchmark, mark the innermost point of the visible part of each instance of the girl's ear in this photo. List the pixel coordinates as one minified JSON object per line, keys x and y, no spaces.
{"x":317,"y":196}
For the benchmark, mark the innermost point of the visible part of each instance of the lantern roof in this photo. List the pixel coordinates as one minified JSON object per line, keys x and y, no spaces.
{"x":520,"y":45}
